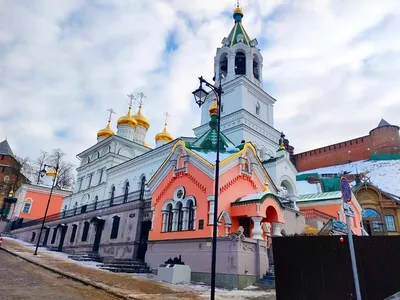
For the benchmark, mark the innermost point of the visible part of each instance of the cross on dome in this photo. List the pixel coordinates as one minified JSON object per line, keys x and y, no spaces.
{"x":111,"y":112}
{"x":142,"y":96}
{"x":167,"y":115}
{"x":131,"y":99}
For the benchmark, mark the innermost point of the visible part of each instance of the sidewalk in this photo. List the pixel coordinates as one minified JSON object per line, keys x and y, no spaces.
{"x":125,"y":286}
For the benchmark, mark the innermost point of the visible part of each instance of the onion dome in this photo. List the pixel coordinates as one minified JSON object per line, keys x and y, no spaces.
{"x":213,"y":108}
{"x":140,"y":119}
{"x":105,"y":132}
{"x":128,"y":120}
{"x":164,"y":135}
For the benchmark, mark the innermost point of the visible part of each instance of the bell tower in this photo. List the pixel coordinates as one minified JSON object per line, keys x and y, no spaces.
{"x":247,"y":110}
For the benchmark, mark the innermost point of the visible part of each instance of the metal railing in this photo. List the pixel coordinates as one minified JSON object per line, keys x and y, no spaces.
{"x":113,"y":201}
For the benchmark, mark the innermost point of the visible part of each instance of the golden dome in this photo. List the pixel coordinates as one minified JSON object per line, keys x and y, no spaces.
{"x":128,"y":120}
{"x":238,"y":10}
{"x":164,"y":135}
{"x":146,"y":144}
{"x":213,"y":108}
{"x":140,"y":119}
{"x":105,"y":132}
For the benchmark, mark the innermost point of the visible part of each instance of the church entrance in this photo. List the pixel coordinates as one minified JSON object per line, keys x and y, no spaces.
{"x":246,"y":224}
{"x":99,"y":226}
{"x":63,"y":228}
{"x":144,"y":237}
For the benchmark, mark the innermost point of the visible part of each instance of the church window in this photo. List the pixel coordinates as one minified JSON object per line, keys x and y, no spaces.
{"x":85,"y":231}
{"x":223,"y":66}
{"x":96,"y":199}
{"x":142,"y":187}
{"x":126,"y":191}
{"x":53,"y":238}
{"x":112,"y":195}
{"x":201,"y":224}
{"x":191,"y":216}
{"x":27,"y":207}
{"x":390,"y":225}
{"x":240,"y":63}
{"x":115,"y":227}
{"x":169,"y":217}
{"x":80,"y":180}
{"x":258,"y":109}
{"x":180,"y":216}
{"x":222,"y":107}
{"x":73,"y":234}
{"x":256,"y":71}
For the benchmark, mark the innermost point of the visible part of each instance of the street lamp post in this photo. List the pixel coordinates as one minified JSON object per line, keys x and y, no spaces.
{"x":200,"y":96}
{"x":42,"y":173}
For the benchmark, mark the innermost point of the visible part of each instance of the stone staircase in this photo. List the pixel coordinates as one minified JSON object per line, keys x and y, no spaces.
{"x":121,"y":265}
{"x":269,"y":278}
{"x":86,"y":256}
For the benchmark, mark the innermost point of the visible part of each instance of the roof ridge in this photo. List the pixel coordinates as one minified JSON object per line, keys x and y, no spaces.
{"x":5,"y":148}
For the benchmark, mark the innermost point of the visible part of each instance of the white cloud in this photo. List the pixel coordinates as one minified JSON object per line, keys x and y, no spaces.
{"x":333,"y":66}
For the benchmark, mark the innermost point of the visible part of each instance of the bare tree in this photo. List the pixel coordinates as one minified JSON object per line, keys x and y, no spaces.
{"x":66,"y":179}
{"x":25,"y":167}
{"x":39,"y":165}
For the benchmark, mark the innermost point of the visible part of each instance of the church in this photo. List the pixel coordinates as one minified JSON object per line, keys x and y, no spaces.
{"x":135,"y":202}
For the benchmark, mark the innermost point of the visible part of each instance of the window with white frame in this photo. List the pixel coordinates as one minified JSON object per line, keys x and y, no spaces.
{"x":258,"y":109}
{"x":390,"y":224}
{"x":26,"y":209}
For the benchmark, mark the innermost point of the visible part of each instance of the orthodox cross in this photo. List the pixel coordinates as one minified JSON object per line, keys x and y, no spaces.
{"x":167,"y":115}
{"x":141,"y":96}
{"x":131,"y":99}
{"x":237,"y":3}
{"x":111,"y":112}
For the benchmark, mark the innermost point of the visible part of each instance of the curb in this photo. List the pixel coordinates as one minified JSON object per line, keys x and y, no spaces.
{"x":72,"y":277}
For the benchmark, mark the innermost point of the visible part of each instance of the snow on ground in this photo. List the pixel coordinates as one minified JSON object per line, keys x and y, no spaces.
{"x":385,"y":174}
{"x":201,"y":288}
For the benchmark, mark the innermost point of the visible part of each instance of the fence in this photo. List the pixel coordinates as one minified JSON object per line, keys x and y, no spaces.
{"x":319,"y":267}
{"x":142,"y":201}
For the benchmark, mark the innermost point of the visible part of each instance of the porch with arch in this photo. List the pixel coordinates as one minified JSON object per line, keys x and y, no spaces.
{"x":255,"y":212}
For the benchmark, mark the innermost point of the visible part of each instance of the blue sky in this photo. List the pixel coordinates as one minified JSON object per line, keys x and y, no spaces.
{"x":333,"y":66}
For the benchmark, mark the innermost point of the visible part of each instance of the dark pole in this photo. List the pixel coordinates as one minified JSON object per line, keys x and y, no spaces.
{"x":47,"y":208}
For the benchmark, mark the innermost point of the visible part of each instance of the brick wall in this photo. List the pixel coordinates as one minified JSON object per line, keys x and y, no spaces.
{"x":8,"y":176}
{"x":380,"y":140}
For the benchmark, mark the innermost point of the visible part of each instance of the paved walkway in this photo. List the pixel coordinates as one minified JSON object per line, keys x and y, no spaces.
{"x":22,"y":280}
{"x":127,"y":286}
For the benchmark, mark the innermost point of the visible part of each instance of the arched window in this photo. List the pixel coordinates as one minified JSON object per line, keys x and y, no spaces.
{"x":256,"y":71}
{"x":75,"y":207}
{"x":223,"y":66}
{"x":170,"y":217}
{"x":126,"y":191}
{"x":190,"y":215}
{"x":115,"y":227}
{"x":370,"y":213}
{"x":112,"y":195}
{"x":240,"y":63}
{"x":180,"y":216}
{"x":27,"y":206}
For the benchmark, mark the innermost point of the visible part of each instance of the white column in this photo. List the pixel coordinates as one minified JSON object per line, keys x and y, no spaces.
{"x":249,"y":66}
{"x":185,"y":222}
{"x":194,"y":217}
{"x":294,"y":198}
{"x":175,"y":220}
{"x":276,"y":229}
{"x":260,"y":69}
{"x":216,"y":70}
{"x":257,"y":230}
{"x":231,"y":66}
{"x":164,"y":222}
{"x":227,"y":229}
{"x":211,"y":211}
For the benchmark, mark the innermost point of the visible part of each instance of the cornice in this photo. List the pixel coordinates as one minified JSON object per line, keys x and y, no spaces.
{"x":46,"y":190}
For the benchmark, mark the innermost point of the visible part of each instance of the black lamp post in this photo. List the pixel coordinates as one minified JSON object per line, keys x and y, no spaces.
{"x":200,"y":96}
{"x":42,"y":173}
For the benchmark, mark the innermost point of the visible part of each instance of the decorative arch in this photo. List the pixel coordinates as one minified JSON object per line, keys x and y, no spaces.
{"x":222,"y":52}
{"x":85,"y":199}
{"x":126,"y":190}
{"x":106,"y":149}
{"x":166,"y":203}
{"x":223,"y":64}
{"x":127,"y":152}
{"x":287,"y":183}
{"x":27,"y":206}
{"x":224,"y":215}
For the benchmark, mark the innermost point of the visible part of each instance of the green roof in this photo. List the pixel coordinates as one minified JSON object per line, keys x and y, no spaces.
{"x":304,"y":177}
{"x":237,"y":30}
{"x":320,"y":197}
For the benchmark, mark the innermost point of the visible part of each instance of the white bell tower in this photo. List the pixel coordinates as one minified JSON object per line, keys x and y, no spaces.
{"x":247,"y":110}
